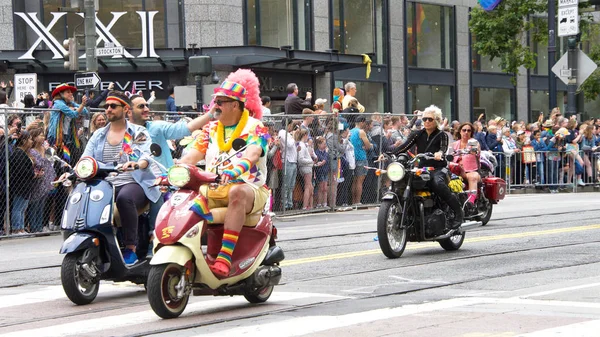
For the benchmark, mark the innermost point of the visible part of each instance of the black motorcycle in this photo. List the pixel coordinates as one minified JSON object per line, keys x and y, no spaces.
{"x":410,"y":211}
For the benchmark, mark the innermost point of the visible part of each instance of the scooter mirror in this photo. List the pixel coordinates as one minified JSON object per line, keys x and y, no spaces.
{"x":238,"y":144}
{"x":156,"y":150}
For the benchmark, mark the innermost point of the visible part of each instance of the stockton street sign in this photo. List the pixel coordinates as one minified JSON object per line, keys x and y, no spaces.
{"x":104,"y":34}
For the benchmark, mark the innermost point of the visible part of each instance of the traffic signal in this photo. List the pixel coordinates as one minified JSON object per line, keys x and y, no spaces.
{"x":70,"y":56}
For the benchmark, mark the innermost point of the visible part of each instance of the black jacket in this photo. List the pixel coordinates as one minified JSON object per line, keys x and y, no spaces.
{"x":294,"y":105}
{"x":436,"y":142}
{"x":20,"y":173}
{"x":94,"y":103}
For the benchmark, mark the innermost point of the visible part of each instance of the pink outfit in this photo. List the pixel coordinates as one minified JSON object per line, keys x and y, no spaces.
{"x":469,"y":162}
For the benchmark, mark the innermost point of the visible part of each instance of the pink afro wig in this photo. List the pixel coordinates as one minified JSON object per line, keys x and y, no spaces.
{"x":248,"y":80}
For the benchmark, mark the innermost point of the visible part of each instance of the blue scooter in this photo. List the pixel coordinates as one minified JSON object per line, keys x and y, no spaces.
{"x":91,"y":229}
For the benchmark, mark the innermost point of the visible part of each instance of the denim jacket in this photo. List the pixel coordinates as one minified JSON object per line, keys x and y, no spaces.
{"x":144,"y":177}
{"x":539,"y":146}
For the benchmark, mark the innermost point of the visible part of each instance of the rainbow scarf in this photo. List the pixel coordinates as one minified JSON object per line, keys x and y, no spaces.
{"x":200,"y":207}
{"x":127,"y":142}
{"x":230,"y":239}
{"x":59,"y":132}
{"x":424,"y":170}
{"x":66,"y":153}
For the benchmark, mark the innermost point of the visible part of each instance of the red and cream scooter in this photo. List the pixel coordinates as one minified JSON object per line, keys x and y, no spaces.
{"x":180,"y":265}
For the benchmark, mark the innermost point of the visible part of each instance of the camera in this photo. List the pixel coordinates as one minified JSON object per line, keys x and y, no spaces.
{"x":19,"y":126}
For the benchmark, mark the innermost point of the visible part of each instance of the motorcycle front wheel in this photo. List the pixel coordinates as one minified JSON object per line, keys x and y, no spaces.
{"x":453,"y":243}
{"x":77,"y":287}
{"x":162,"y":291}
{"x":392,"y":238}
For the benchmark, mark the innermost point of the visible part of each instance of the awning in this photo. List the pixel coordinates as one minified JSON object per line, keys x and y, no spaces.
{"x":269,"y":58}
{"x":282,"y":59}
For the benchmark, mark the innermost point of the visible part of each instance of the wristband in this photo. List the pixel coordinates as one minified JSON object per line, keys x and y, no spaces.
{"x":242,"y":167}
{"x":211,"y":115}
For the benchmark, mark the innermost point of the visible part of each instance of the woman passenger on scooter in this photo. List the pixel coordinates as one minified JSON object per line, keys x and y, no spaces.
{"x":469,"y":161}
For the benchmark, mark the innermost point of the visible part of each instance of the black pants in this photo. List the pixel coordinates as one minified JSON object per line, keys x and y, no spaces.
{"x":129,"y":199}
{"x":439,"y":185}
{"x":2,"y":209}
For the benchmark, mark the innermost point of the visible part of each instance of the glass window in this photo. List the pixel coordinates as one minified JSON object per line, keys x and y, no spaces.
{"x":370,"y":94}
{"x":422,"y":96}
{"x":495,"y":102}
{"x":591,"y":109}
{"x":430,"y":34}
{"x":538,"y":99}
{"x":483,"y":63}
{"x":276,"y":23}
{"x":358,"y":28}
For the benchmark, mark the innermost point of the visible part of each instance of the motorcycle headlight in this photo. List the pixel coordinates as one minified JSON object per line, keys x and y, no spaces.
{"x":86,"y":168}
{"x":178,"y":176}
{"x":395,"y":171}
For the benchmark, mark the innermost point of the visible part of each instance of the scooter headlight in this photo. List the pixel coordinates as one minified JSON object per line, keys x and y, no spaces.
{"x":178,"y":176}
{"x":395,"y":171}
{"x":86,"y":168}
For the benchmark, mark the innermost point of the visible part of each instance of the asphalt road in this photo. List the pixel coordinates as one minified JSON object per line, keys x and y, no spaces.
{"x":534,"y":270}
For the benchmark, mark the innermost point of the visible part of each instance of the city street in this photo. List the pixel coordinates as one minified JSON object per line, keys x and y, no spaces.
{"x":534,"y":270}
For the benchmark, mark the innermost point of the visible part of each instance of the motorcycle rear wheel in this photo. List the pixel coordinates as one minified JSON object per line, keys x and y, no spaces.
{"x":260,"y":296}
{"x":487,"y":215}
{"x":78,"y":290}
{"x":162,"y":294}
{"x":392,"y":239}
{"x":453,"y":243}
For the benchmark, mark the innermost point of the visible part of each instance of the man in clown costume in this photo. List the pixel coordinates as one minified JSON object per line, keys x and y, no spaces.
{"x":243,"y":176}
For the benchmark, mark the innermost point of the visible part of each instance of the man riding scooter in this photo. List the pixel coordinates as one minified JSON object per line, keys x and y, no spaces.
{"x":243,"y":177}
{"x":115,"y":143}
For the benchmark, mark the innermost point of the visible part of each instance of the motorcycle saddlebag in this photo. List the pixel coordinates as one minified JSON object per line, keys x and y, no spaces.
{"x":495,"y":188}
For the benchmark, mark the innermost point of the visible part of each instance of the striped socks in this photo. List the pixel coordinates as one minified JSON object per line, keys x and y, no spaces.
{"x":223,"y":261}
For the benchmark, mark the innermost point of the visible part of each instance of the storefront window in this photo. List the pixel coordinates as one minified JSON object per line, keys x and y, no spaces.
{"x":358,"y":28}
{"x":422,"y":96}
{"x":494,"y":103}
{"x":370,"y":94}
{"x":590,"y":110}
{"x":276,"y":23}
{"x":430,"y":36}
{"x":126,"y":29}
{"x":483,"y":63}
{"x":538,"y":99}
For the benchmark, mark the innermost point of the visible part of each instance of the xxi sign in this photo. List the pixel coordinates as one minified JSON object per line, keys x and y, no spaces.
{"x":103,"y":31}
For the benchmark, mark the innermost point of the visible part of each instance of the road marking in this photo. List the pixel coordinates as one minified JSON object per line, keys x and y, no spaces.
{"x":582,"y":329}
{"x":422,"y":245}
{"x":90,"y":326}
{"x":555,"y":291}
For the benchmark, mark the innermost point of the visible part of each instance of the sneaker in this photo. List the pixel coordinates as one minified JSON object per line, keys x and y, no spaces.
{"x":580,"y":182}
{"x":129,"y":257}
{"x":45,"y":229}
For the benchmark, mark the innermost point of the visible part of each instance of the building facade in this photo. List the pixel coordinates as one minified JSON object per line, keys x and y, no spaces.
{"x":420,"y":51}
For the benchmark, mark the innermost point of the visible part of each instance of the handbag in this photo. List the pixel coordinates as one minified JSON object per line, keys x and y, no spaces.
{"x":277,"y":162}
{"x":528,"y":154}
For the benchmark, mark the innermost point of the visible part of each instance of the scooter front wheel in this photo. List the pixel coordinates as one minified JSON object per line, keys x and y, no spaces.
{"x":78,"y":288}
{"x":163,"y":283}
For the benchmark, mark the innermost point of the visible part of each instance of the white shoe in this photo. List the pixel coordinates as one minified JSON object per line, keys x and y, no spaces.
{"x":580,"y":182}
{"x":45,"y":229}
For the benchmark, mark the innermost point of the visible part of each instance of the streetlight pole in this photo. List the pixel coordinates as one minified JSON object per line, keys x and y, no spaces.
{"x":91,"y":61}
{"x":572,"y":86}
{"x":551,"y":54}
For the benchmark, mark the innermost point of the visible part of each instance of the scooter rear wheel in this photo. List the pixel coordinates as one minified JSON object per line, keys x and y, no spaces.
{"x":260,"y":296}
{"x":162,"y":293}
{"x":78,"y":290}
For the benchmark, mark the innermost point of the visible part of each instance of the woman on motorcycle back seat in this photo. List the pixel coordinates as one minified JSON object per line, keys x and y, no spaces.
{"x":468,"y":161}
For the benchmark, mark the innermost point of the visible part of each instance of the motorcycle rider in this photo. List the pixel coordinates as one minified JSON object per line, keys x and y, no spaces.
{"x":160,"y":132}
{"x":115,"y":143}
{"x":243,"y":176}
{"x":432,"y":139}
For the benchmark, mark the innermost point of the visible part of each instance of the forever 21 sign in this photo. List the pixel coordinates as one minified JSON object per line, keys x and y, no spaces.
{"x":103,"y":31}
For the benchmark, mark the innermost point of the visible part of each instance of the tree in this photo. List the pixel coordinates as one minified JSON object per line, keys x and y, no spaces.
{"x":503,"y":32}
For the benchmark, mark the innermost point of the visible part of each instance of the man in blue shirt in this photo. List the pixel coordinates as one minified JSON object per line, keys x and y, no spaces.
{"x":161,"y":132}
{"x":171,"y":100}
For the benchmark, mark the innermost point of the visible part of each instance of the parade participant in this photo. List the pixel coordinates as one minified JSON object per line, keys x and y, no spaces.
{"x":432,"y":139}
{"x":115,"y":142}
{"x":62,"y":132}
{"x":469,"y":161}
{"x":243,"y":176}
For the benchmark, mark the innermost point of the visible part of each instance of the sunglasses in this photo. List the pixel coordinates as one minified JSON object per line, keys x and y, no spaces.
{"x":466,"y":130}
{"x":220,"y":103}
{"x":427,"y":119}
{"x":142,"y":105}
{"x":112,"y":106}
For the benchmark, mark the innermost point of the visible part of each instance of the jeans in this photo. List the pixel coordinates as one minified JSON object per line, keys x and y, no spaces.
{"x":289,"y":182}
{"x":17,"y":212}
{"x":35,"y":214}
{"x":540,"y":172}
{"x":553,"y":170}
{"x":154,"y":208}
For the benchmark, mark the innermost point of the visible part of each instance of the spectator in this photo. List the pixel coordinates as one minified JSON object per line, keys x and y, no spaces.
{"x":480,"y":136}
{"x":358,"y":138}
{"x":290,"y":153}
{"x":539,"y":146}
{"x":94,"y":101}
{"x":7,"y":90}
{"x":350,"y":88}
{"x":3,"y":110}
{"x":307,"y":121}
{"x":22,"y":176}
{"x":351,"y":112}
{"x":588,"y":146}
{"x":556,"y":146}
{"x":98,"y":121}
{"x":336,"y":150}
{"x":320,"y":106}
{"x":42,"y":186}
{"x":338,"y":97}
{"x":321,"y":171}
{"x":521,"y":141}
{"x":266,"y":106}
{"x":305,"y":167}
{"x":43,"y":100}
{"x":294,"y":104}
{"x":345,"y":188}
{"x":171,"y":99}
{"x":275,"y":168}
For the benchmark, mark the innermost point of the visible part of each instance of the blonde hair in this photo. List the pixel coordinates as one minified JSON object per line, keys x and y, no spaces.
{"x":93,"y":121}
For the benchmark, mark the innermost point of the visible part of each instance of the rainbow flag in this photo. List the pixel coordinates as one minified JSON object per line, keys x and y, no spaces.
{"x":339,"y":169}
{"x":66,"y":153}
{"x":127,"y":141}
{"x":200,"y":207}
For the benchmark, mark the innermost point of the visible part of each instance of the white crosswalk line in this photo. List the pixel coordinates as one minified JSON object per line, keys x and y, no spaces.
{"x":94,"y":325}
{"x":582,"y":329}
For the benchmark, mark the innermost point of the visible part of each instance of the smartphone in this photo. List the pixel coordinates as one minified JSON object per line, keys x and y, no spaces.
{"x":340,"y":126}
